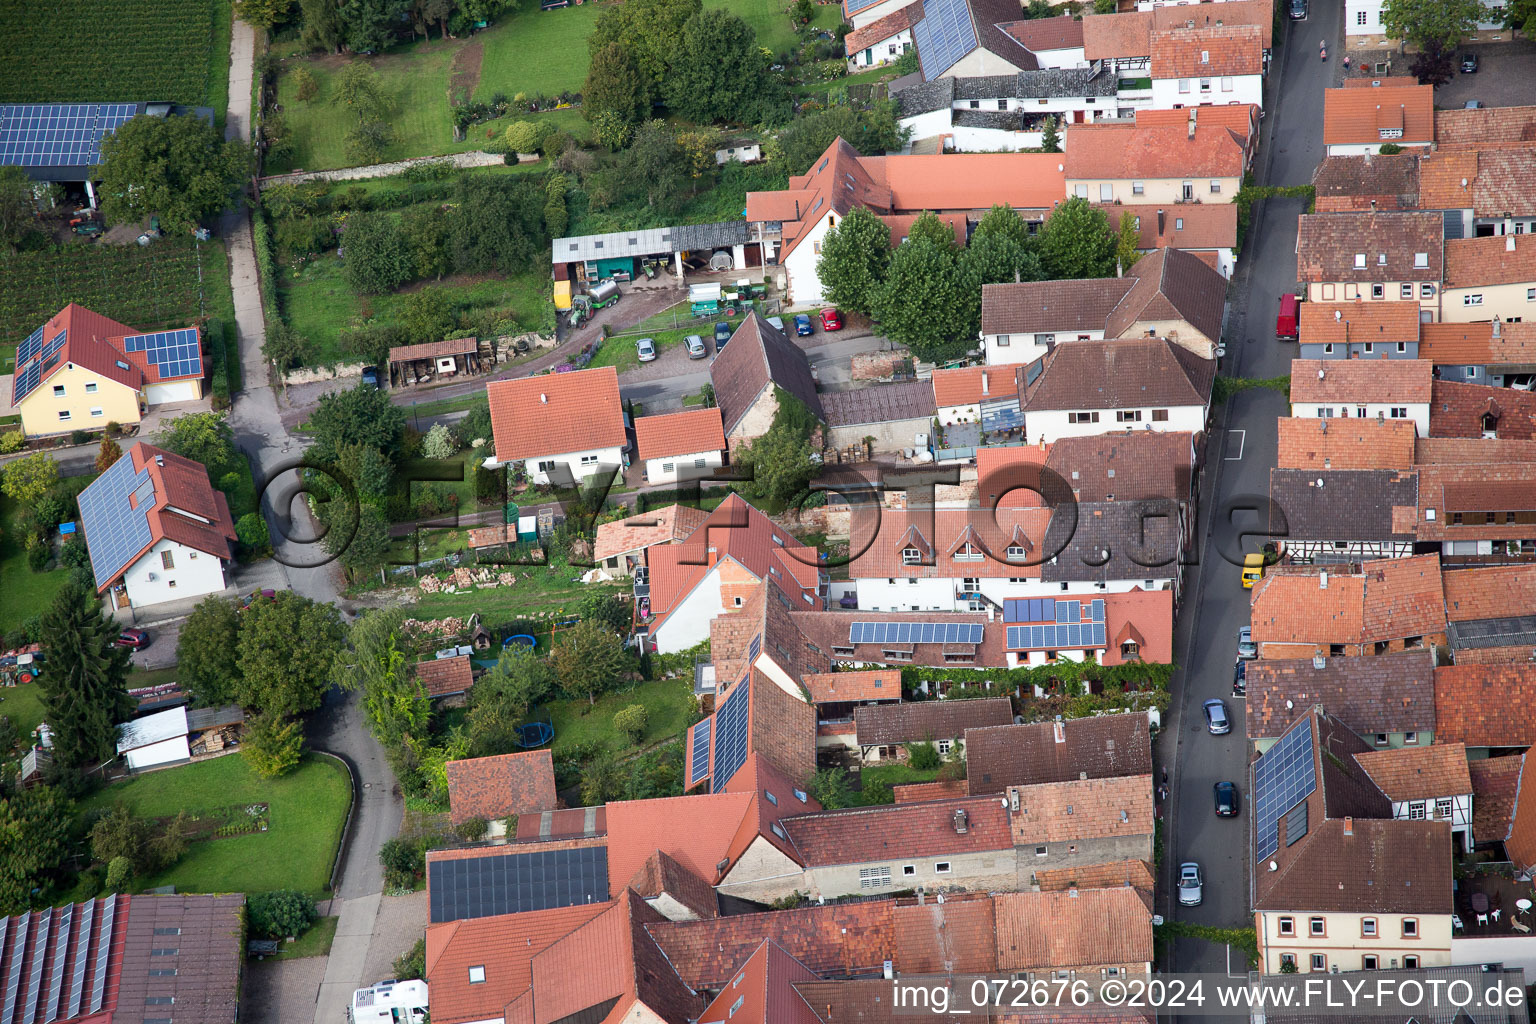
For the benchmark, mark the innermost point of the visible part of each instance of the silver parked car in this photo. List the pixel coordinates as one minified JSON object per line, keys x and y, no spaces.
{"x":1191,"y":884}
{"x":1216,"y":716}
{"x":1247,"y":650}
{"x":696,"y":347}
{"x":646,"y":349}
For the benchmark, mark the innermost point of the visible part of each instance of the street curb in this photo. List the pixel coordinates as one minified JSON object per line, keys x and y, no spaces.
{"x":346,"y":828}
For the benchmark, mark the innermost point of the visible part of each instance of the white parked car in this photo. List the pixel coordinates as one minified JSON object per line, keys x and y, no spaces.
{"x":1191,"y":884}
{"x":646,"y":348}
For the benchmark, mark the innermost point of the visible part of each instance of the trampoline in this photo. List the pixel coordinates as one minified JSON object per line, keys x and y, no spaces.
{"x":537,"y":732}
{"x":527,"y":641}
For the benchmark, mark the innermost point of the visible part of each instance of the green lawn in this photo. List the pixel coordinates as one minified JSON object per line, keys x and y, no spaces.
{"x":308,"y":809}
{"x":891,"y":775}
{"x":23,"y":705}
{"x":315,"y":942}
{"x":545,"y":591}
{"x":25,"y":593}
{"x":669,"y":701}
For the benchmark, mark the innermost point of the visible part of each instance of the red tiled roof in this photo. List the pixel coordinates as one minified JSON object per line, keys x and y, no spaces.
{"x":1520,"y":843}
{"x":881,"y":29}
{"x":1485,"y":127}
{"x":1142,"y":616}
{"x":775,"y":796}
{"x":762,"y":992}
{"x":1187,"y":226}
{"x":1473,"y":704}
{"x":1082,"y":928}
{"x":1490,"y":592}
{"x":836,"y":687}
{"x":954,"y":937}
{"x":1462,"y":410}
{"x":1357,"y":116}
{"x":1120,"y":151}
{"x":679,"y":433}
{"x":1106,"y":746}
{"x":923,"y":792}
{"x":1428,"y":451}
{"x":1475,"y":344}
{"x":1136,"y":874}
{"x":1345,"y":444}
{"x":1495,"y":785}
{"x":556,"y":413}
{"x":1036,"y":34}
{"x":96,"y":343}
{"x":443,"y":677}
{"x":1418,"y":773}
{"x":1360,"y":380}
{"x":1487,"y":262}
{"x":1191,"y":53}
{"x":496,"y":787}
{"x":880,"y":724}
{"x":899,"y":830}
{"x":572,"y":823}
{"x":1382,"y":323}
{"x":644,"y":529}
{"x":696,"y":831}
{"x":1082,"y":809}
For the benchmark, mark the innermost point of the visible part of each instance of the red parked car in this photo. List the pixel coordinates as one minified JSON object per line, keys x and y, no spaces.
{"x":137,"y":639}
{"x":831,"y":320}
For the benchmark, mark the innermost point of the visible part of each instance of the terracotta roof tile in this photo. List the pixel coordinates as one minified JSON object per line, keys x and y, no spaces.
{"x":1107,"y":746}
{"x":696,"y":831}
{"x":640,"y":531}
{"x":1085,"y":809}
{"x":1495,"y":786}
{"x":1170,"y":285}
{"x":922,"y":792}
{"x":1119,"y":374}
{"x":1131,"y":466}
{"x":1383,"y":323}
{"x":434,"y":349}
{"x":1384,"y":693}
{"x":571,"y":823}
{"x":1145,"y":616}
{"x":1296,"y":609}
{"x":953,"y":937}
{"x":836,"y":687}
{"x":1030,"y":306}
{"x":495,"y":787}
{"x":1186,"y":226}
{"x":829,"y":630}
{"x":1462,"y":410}
{"x":1117,"y":35}
{"x":1418,"y":773}
{"x":1052,"y":930}
{"x":1120,"y":151}
{"x":1506,"y":183}
{"x":763,"y":992}
{"x":1484,"y":127}
{"x":1192,"y":53}
{"x":1259,"y":13}
{"x":867,"y":834}
{"x":1462,"y":497}
{"x":881,"y":724}
{"x":1241,"y":118}
{"x":1490,"y":592}
{"x":1467,"y":451}
{"x":902,"y":530}
{"x":953,"y":182}
{"x":1358,"y":116}
{"x":1473,"y":702}
{"x":881,"y":29}
{"x":776,"y":796}
{"x":970,"y":384}
{"x":1329,"y":246}
{"x":1360,"y":380}
{"x":1446,"y":180}
{"x":1384,"y":866}
{"x":1037,"y":34}
{"x":679,"y":433}
{"x":1320,"y":444}
{"x":556,"y":413}
{"x":446,"y":676}
{"x":1486,"y":262}
{"x":1391,"y":180}
{"x":1137,"y":874}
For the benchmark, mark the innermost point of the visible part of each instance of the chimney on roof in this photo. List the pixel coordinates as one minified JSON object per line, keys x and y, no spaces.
{"x":159,"y":460}
{"x":1349,"y":825}
{"x":1380,"y":416}
{"x":984,"y":390}
{"x":1058,"y":730}
{"x":1192,"y":122}
{"x":962,"y":822}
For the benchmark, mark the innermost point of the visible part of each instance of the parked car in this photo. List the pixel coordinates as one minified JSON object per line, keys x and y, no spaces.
{"x":646,"y":349}
{"x":722,"y":335}
{"x":1469,"y":65}
{"x":371,"y":376}
{"x":1298,"y":9}
{"x":1285,"y":321}
{"x":831,"y":320}
{"x":1246,"y":648}
{"x":137,"y":639}
{"x":778,"y":323}
{"x":696,"y":347}
{"x":1240,"y":679}
{"x":1191,"y":884}
{"x":1473,"y":105}
{"x":1216,"y":716}
{"x":803,"y":325}
{"x":1226,"y":799}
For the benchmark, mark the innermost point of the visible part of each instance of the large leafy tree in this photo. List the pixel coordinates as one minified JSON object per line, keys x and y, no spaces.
{"x":1521,"y":14}
{"x":498,"y":226}
{"x":998,"y":259}
{"x":616,"y":83}
{"x":659,"y":162}
{"x":375,"y":662}
{"x":207,"y":652}
{"x":273,"y":745}
{"x":503,"y":699}
{"x":287,"y":647}
{"x":18,"y":207}
{"x":378,"y":255}
{"x":27,"y":480}
{"x":854,"y":257}
{"x":651,"y":30}
{"x":368,"y":26}
{"x":928,"y":226}
{"x":83,"y":691}
{"x":177,"y":168}
{"x":322,"y":25}
{"x":1127,"y":243}
{"x":871,"y":130}
{"x":203,"y":437}
{"x":1076,"y":242}
{"x":929,"y":301}
{"x":1422,"y":22}
{"x":589,"y":660}
{"x":779,"y":461}
{"x":1003,"y":220}
{"x":362,"y":415}
{"x":719,"y":73}
{"x":34,"y":839}
{"x":357,"y":534}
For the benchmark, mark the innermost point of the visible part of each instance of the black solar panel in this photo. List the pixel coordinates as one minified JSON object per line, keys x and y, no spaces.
{"x":114,"y":532}
{"x":103,"y":951}
{"x":174,"y":353}
{"x":1062,"y":636}
{"x":31,"y":347}
{"x":56,"y":973}
{"x":77,"y":976}
{"x":943,"y":36}
{"x":731,"y":722}
{"x":13,"y":976}
{"x":487,"y":886}
{"x":1034,"y":609}
{"x":58,"y":134}
{"x":35,"y":975}
{"x":915,"y":633}
{"x":700,"y":764}
{"x":754,"y":649}
{"x":1283,"y":777}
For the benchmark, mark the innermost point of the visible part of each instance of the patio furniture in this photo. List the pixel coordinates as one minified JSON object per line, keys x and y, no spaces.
{"x":1457,"y":923}
{"x":1495,"y":915}
{"x":1523,"y":905}
{"x":1520,"y":926}
{"x":1482,"y":919}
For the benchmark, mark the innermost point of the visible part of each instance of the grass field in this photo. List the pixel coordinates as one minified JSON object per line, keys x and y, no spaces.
{"x":25,"y":593}
{"x":123,"y":51}
{"x":150,"y":288}
{"x":23,"y":705}
{"x":308,"y":808}
{"x":315,"y":942}
{"x":543,"y":592}
{"x":890,"y":775}
{"x":669,"y":701}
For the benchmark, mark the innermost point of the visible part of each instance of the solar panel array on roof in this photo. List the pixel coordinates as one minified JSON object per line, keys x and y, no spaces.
{"x":77,"y":979}
{"x":103,"y":951}
{"x":29,"y":348}
{"x":13,"y":976}
{"x":1071,"y":636}
{"x":30,"y":375}
{"x":732,"y":719}
{"x":543,"y":880}
{"x":1001,"y":415}
{"x":114,"y":532}
{"x":943,"y":36}
{"x":1033,"y":609}
{"x":58,"y":134}
{"x":915,"y":633}
{"x":1283,"y":777}
{"x":35,"y":975}
{"x":56,"y":974}
{"x":174,"y":353}
{"x":699,"y":767}
{"x":754,"y":649}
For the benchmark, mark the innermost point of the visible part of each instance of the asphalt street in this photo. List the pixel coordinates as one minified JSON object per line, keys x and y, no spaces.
{"x":1239,"y":455}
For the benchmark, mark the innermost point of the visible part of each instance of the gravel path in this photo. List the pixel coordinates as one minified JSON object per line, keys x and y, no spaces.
{"x":475,"y":158}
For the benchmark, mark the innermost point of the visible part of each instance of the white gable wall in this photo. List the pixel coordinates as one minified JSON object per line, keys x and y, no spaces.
{"x":1050,"y":425}
{"x":688,"y":625}
{"x":192,"y":574}
{"x":581,"y":464}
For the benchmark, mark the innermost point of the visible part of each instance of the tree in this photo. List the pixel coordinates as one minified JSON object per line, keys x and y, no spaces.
{"x":203,"y":437}
{"x":18,"y":207}
{"x":611,"y":131}
{"x":600,"y":779}
{"x":282,"y":914}
{"x":854,"y":258}
{"x":322,"y":25}
{"x":631,"y":721}
{"x":273,"y":745}
{"x":378,"y":256}
{"x":1432,"y":65}
{"x":588,"y":660}
{"x":286,"y":649}
{"x":872,"y":131}
{"x":252,"y":532}
{"x":615,"y":84}
{"x":1521,"y":15}
{"x":1050,"y":139}
{"x":368,"y":26}
{"x":1076,"y":242}
{"x":719,"y":73}
{"x":503,"y":698}
{"x":27,"y":480}
{"x":119,"y":873}
{"x":426,"y":315}
{"x":830,"y":788}
{"x":367,"y":141}
{"x":359,"y":88}
{"x":34,"y":839}
{"x":374,"y":662}
{"x":923,"y":756}
{"x":523,"y":136}
{"x":360,"y":539}
{"x":119,"y":834}
{"x":262,"y":14}
{"x":606,"y":609}
{"x":498,"y":226}
{"x":305,"y":85}
{"x":1127,"y":243}
{"x":207,"y":652}
{"x":928,"y":226}
{"x":925,"y":304}
{"x":779,"y":460}
{"x":362,"y":415}
{"x":438,"y":442}
{"x":83,"y":692}
{"x":651,"y":30}
{"x":1422,"y":22}
{"x":660,"y":165}
{"x":109,"y":453}
{"x":998,"y":259}
{"x":178,"y":168}
{"x":369,"y":470}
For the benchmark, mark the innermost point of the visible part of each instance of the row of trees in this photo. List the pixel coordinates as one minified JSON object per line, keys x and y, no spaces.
{"x":926,"y":293}
{"x":366,"y":26}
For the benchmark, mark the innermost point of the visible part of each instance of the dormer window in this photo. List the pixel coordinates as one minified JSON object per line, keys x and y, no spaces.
{"x":1015,"y":552}
{"x":1421,"y":260}
{"x":1391,"y":133}
{"x":911,"y":556}
{"x":1381,"y":259}
{"x":969,"y":553}
{"x":1205,"y":56}
{"x":1359,"y":261}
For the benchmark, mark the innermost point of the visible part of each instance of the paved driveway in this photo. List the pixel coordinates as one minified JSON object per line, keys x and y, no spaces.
{"x":1506,"y":77}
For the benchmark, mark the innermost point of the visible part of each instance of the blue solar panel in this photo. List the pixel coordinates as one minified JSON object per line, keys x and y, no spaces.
{"x":699,"y":767}
{"x":754,"y":649}
{"x":516,"y":883}
{"x":77,"y":976}
{"x":58,"y":134}
{"x":731,"y":720}
{"x":29,"y":348}
{"x":1034,"y":609}
{"x":943,"y":36}
{"x":174,"y":353}
{"x":914,"y":633}
{"x":1282,"y":778}
{"x":115,"y":531}
{"x":1062,"y":636}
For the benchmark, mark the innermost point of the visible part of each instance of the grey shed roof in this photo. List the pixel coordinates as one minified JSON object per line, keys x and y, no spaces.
{"x":881,"y":403}
{"x":649,"y":241}
{"x":985,"y":87}
{"x":919,"y":97}
{"x":1094,"y":81}
{"x":687,"y":237}
{"x":1006,"y":120}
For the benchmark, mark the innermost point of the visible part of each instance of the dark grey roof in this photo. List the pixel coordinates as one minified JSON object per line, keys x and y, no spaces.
{"x":1056,"y":82}
{"x":1113,"y":540}
{"x":688,"y":237}
{"x":1105,"y":747}
{"x":1385,"y":693}
{"x":1135,"y":373}
{"x":916,"y":721}
{"x":895,"y":85}
{"x":1351,"y":504}
{"x":916,"y":96}
{"x":463,"y":888}
{"x":985,"y":87}
{"x":881,"y":403}
{"x":1514,"y":631}
{"x":1005,"y":120}
{"x":757,"y":356}
{"x":199,"y":719}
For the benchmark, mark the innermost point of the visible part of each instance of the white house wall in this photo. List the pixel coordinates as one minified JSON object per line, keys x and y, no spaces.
{"x":688,"y":625}
{"x":193,"y":574}
{"x":1052,"y":425}
{"x":881,"y":52}
{"x":603,"y":458}
{"x":1417,"y":412}
{"x":1173,"y":93}
{"x":664,"y":471}
{"x":804,"y":282}
{"x":1013,"y":349}
{"x":1067,"y":57}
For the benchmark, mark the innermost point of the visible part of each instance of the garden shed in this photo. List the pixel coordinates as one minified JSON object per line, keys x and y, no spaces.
{"x":627,"y":255}
{"x":411,"y":364}
{"x":176,"y":735}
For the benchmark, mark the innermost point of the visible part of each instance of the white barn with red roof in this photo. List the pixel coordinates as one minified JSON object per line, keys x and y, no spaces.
{"x":156,"y":529}
{"x":559,"y":420}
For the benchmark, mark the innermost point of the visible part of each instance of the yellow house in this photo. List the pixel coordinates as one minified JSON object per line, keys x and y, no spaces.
{"x":81,"y":371}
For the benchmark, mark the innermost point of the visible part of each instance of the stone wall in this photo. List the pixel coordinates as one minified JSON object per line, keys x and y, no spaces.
{"x":877,"y":365}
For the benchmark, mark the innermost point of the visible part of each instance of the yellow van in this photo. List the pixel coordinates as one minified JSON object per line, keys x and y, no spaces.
{"x":1253,"y":570}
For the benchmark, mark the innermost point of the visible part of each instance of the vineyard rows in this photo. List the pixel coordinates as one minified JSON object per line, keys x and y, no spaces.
{"x":150,"y":288}
{"x":90,"y":51}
